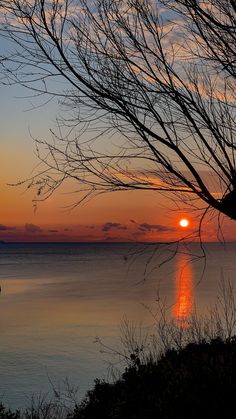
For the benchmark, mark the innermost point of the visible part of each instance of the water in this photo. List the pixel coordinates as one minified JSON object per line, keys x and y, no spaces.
{"x":57,"y":298}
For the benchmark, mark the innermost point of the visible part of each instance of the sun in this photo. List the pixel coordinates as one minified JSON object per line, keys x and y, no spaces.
{"x":184,"y":222}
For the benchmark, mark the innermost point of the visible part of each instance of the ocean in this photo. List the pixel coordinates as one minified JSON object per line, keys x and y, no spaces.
{"x":58,"y":299}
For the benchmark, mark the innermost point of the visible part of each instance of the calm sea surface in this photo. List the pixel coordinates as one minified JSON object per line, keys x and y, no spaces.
{"x":57,"y":298}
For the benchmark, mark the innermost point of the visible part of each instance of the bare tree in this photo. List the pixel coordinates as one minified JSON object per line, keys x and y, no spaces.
{"x":212,"y":25}
{"x":148,"y":90}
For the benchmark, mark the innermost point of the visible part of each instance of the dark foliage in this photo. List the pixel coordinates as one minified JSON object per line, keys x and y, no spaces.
{"x":197,"y":381}
{"x":7,"y":414}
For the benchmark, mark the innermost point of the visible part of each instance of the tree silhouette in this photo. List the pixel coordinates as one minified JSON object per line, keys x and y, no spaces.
{"x":148,"y":89}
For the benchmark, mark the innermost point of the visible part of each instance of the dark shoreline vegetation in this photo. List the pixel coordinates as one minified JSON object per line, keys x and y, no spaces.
{"x":199,"y":379}
{"x":178,"y":371}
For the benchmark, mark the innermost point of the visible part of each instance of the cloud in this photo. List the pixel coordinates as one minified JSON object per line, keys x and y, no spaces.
{"x":6,"y":228}
{"x":53,"y":231}
{"x":108,"y":226}
{"x":32,"y":228}
{"x":90,"y":226}
{"x":137,"y":233}
{"x":67,"y":229}
{"x":117,"y":239}
{"x":112,"y":238}
{"x":156,"y":227}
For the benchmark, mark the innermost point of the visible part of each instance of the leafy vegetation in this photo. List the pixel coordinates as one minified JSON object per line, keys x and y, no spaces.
{"x":199,"y":379}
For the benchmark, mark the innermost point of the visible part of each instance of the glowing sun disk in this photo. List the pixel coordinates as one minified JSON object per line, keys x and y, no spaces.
{"x":184,"y":222}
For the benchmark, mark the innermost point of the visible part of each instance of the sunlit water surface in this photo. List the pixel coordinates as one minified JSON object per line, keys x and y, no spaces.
{"x":57,"y":298}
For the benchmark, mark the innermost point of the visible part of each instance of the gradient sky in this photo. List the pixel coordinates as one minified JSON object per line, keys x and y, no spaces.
{"x":120,"y":216}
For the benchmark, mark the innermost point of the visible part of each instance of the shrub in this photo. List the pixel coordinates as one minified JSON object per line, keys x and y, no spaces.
{"x":198,"y":380}
{"x":8,"y":414}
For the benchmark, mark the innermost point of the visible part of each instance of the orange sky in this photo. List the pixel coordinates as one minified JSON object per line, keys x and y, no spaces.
{"x":120,"y":216}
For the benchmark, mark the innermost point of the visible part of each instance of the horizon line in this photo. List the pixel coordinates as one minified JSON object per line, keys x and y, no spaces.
{"x":110,"y":242}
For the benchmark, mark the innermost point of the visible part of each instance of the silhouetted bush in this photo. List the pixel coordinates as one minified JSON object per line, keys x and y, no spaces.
{"x":7,"y":414}
{"x":196,"y":381}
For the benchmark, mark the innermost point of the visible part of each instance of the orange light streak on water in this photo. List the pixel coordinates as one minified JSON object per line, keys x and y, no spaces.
{"x":183,"y":306}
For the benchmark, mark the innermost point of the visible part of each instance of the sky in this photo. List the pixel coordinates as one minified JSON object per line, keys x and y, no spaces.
{"x":119,"y":216}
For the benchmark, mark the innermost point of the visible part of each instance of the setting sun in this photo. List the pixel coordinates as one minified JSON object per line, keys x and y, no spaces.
{"x":184,"y":222}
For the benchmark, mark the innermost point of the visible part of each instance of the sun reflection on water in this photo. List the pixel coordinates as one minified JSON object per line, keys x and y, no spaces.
{"x":183,"y":306}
